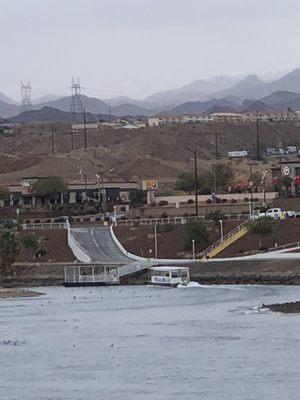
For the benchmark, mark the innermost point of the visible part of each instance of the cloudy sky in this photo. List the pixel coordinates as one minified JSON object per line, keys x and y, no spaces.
{"x":137,"y":47}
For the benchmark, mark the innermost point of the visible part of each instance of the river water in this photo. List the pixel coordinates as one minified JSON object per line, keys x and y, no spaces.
{"x":142,"y":343}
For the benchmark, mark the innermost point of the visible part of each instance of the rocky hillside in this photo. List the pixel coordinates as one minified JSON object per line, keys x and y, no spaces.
{"x":124,"y":154}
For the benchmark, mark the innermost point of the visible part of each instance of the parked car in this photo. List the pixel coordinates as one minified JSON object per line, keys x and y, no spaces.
{"x":275,"y":213}
{"x":63,"y":218}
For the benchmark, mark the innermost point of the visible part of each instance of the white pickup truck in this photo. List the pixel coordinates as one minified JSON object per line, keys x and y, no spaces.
{"x":276,"y":213}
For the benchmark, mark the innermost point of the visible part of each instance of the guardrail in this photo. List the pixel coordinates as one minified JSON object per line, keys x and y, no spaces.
{"x":174,"y":220}
{"x":285,"y":246}
{"x":46,"y":225}
{"x":222,"y":240}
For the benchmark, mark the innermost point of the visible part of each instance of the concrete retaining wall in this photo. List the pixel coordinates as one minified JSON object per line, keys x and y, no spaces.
{"x":78,"y":251}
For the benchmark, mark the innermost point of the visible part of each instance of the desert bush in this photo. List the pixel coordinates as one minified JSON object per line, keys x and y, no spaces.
{"x":165,"y":228}
{"x":163,"y":203}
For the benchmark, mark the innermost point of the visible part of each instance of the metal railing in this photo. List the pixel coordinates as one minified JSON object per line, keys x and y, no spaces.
{"x":285,"y":246}
{"x":175,"y":220}
{"x":46,"y":225}
{"x":222,"y":240}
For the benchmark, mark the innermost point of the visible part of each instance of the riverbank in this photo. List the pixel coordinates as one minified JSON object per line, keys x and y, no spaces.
{"x":268,"y":272}
{"x":15,"y":293}
{"x":240,"y":272}
{"x":285,"y":308}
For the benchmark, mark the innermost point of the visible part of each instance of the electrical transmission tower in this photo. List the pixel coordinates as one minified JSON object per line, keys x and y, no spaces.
{"x":76,"y":101}
{"x":26,"y":96}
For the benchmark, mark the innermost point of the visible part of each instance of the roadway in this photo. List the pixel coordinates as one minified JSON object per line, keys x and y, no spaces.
{"x":99,"y":244}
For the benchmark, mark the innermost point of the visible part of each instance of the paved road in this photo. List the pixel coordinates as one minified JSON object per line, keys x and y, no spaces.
{"x":99,"y":245}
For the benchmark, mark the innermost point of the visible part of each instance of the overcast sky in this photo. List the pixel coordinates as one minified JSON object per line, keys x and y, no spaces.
{"x":137,"y":47}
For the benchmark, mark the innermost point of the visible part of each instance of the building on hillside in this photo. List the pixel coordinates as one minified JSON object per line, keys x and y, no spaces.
{"x":286,"y":177}
{"x":128,"y":126}
{"x":154,"y":121}
{"x":80,"y":127}
{"x":138,"y":123}
{"x":77,"y":192}
{"x":6,"y":130}
{"x":227,"y":117}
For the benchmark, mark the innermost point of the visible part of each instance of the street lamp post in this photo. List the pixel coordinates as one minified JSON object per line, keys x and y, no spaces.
{"x":115,"y":215}
{"x":221,"y":230}
{"x":99,"y":192}
{"x":155,"y":241}
{"x":193,"y":246}
{"x":263,"y":181}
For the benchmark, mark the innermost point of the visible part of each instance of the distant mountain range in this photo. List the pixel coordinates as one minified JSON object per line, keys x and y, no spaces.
{"x":221,"y":93}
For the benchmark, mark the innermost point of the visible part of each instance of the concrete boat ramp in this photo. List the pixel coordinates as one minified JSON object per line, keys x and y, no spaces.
{"x":102,"y":260}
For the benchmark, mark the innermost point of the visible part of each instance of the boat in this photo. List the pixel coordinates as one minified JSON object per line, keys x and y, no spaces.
{"x":169,"y":276}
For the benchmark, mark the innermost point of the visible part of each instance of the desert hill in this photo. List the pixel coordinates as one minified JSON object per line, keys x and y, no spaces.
{"x":162,"y":152}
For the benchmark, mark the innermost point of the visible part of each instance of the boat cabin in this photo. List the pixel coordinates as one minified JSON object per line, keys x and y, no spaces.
{"x":169,"y":276}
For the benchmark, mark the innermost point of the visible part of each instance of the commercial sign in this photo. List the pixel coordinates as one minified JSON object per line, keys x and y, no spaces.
{"x":236,"y":154}
{"x":150,"y":184}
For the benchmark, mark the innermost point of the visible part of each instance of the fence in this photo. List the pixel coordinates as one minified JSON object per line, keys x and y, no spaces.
{"x":46,"y":225}
{"x":285,"y":246}
{"x":174,"y":220}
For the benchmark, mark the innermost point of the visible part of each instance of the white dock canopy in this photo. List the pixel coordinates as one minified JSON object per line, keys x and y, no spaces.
{"x":91,"y":274}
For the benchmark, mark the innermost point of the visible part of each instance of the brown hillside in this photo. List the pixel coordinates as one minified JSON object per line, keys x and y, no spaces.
{"x":161,"y":152}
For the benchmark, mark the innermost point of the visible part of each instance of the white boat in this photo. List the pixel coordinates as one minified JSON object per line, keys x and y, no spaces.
{"x":169,"y":276}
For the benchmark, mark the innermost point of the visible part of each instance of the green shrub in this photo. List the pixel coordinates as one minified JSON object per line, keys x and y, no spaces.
{"x":165,"y":228}
{"x":197,"y":231}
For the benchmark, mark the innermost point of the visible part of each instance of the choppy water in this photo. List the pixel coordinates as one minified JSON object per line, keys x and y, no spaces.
{"x":142,"y":343}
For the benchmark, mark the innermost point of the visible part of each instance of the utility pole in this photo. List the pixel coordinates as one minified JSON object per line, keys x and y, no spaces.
{"x":257,"y":138}
{"x":215,"y":182}
{"x":251,"y":184}
{"x":84,"y":128}
{"x":196,"y":181}
{"x":72,"y":139}
{"x":216,"y":140}
{"x":52,"y":138}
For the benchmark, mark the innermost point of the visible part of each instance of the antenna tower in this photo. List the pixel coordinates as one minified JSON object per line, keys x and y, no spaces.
{"x":26,"y":96}
{"x":76,"y":101}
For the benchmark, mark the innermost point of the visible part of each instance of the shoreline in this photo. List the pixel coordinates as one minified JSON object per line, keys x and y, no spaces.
{"x":292,"y":307}
{"x":8,"y":293}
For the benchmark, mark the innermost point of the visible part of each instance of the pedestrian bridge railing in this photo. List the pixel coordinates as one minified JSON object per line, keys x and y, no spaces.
{"x":225,"y":241}
{"x":285,"y":247}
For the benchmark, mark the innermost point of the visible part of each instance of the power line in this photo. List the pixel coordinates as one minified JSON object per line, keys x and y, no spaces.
{"x":26,"y":96}
{"x":76,"y":100}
